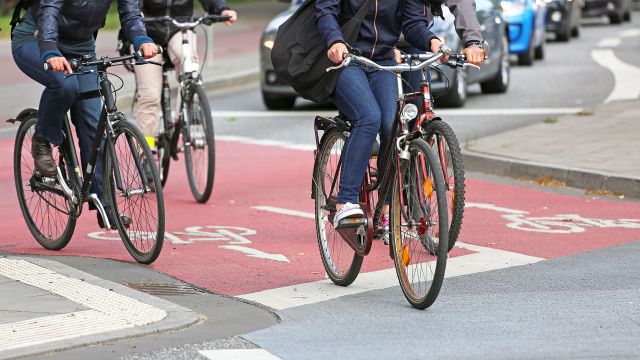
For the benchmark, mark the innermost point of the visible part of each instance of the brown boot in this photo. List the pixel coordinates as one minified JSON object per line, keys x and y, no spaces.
{"x":42,"y":156}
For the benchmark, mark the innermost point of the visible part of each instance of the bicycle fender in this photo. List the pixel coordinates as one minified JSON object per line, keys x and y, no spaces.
{"x":24,"y":114}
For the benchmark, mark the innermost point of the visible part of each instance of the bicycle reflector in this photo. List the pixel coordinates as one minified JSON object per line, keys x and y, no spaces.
{"x":409,"y":112}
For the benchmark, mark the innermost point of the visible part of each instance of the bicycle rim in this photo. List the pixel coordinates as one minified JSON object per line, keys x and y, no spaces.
{"x":144,"y":237}
{"x":47,"y":215}
{"x":340,"y":261}
{"x":200,"y":153}
{"x":445,"y":144}
{"x":418,"y":226}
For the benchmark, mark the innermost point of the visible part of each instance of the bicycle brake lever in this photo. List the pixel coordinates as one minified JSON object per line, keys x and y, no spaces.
{"x":472,"y":65}
{"x":346,"y":62}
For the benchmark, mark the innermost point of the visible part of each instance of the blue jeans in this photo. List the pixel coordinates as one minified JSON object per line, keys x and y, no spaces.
{"x":368,"y":98}
{"x":58,"y":97}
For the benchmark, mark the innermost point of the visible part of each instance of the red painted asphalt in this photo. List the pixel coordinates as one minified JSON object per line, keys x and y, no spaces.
{"x":209,"y":250}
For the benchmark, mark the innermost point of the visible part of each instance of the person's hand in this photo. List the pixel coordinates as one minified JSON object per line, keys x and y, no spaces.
{"x":148,"y":50}
{"x":474,"y":54}
{"x":337,"y":52}
{"x":59,"y":64}
{"x":436,"y":43}
{"x":232,"y":14}
{"x":397,"y":55}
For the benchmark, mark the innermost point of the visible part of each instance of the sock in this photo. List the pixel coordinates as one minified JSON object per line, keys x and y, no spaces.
{"x":151,"y":141}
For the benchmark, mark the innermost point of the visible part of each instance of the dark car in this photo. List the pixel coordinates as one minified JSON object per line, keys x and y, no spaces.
{"x":494,"y":76}
{"x":615,"y":10}
{"x":563,"y":18}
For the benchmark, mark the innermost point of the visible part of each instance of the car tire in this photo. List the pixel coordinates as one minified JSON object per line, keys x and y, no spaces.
{"x":539,"y":53}
{"x":278,"y":102}
{"x":627,"y":16}
{"x":575,"y":32}
{"x":527,"y":58}
{"x":564,"y":34}
{"x":615,"y":18}
{"x":457,"y":93}
{"x":500,"y":83}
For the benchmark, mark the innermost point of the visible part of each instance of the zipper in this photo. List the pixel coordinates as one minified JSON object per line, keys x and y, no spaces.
{"x":375,"y":29}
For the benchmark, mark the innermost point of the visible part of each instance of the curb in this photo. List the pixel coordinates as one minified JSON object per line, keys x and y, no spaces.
{"x":574,"y":177}
{"x":177,"y":317}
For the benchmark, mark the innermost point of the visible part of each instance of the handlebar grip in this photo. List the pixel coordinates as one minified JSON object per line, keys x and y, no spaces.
{"x":160,"y":50}
{"x":47,"y":67}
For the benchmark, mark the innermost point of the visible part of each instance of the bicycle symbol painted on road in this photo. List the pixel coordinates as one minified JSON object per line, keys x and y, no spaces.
{"x":235,"y":237}
{"x":557,"y":224}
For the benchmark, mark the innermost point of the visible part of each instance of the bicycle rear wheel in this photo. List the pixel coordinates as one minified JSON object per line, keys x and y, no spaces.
{"x":200,"y":152}
{"x":142,"y":203}
{"x":48,"y":214}
{"x":340,"y":261}
{"x":418,"y":226}
{"x":443,"y":140}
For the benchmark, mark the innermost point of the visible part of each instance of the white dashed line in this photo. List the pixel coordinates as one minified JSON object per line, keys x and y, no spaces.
{"x":281,"y":211}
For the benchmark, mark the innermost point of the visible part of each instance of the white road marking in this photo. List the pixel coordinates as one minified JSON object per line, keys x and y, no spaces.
{"x":494,"y":208}
{"x":610,"y":42}
{"x":262,"y":142}
{"x":281,"y":211}
{"x":233,"y":114}
{"x":629,"y":33}
{"x":108,"y":310}
{"x":485,"y":259}
{"x":238,"y":354}
{"x":627,"y":86}
{"x":254,"y":253}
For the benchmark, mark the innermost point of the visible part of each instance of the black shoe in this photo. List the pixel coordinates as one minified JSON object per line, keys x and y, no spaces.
{"x":146,"y":167}
{"x":126,"y":221}
{"x":42,"y":156}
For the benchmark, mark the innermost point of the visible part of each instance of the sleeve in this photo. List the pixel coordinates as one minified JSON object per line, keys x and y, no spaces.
{"x":131,"y":22}
{"x":466,"y":22}
{"x":48,"y":14}
{"x":327,"y":12}
{"x":415,"y":25}
{"x":215,"y":7}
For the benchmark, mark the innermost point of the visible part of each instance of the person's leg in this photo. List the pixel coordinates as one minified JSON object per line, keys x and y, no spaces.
{"x":57,"y":97}
{"x":149,"y":83}
{"x":355,"y":99}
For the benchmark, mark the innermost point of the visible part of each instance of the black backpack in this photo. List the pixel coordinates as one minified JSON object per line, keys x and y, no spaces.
{"x":299,"y":54}
{"x":15,"y":18}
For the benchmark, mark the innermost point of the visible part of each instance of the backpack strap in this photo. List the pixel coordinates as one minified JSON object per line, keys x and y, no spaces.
{"x":15,"y":18}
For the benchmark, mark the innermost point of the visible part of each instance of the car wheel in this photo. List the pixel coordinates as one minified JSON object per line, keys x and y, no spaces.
{"x":457,"y":93}
{"x":500,"y":83}
{"x":564,"y":34}
{"x":278,"y":102}
{"x":575,"y":32}
{"x":627,"y":16}
{"x":527,"y":58}
{"x":539,"y":53}
{"x":615,"y":18}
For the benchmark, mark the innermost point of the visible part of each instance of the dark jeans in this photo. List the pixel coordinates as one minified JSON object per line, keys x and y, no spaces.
{"x":58,"y":97}
{"x":368,"y":98}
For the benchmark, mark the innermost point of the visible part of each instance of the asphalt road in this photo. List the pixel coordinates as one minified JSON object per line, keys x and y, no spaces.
{"x":545,"y":273}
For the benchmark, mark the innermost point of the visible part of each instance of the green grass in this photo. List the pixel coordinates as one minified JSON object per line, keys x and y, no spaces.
{"x":112,"y":22}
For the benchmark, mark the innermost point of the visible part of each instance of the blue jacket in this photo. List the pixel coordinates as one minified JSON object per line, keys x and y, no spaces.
{"x":78,"y":20}
{"x":381,"y":27}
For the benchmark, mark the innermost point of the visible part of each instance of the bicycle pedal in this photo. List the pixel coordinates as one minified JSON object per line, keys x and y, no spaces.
{"x":351,"y":223}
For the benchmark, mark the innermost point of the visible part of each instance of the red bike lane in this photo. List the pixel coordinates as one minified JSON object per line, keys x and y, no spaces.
{"x":230,"y":246}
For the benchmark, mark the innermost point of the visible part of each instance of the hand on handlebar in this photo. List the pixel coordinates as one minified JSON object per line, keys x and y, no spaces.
{"x":58,"y":64}
{"x":149,"y":50}
{"x":437,"y":46}
{"x":474,"y":54}
{"x":337,"y":52}
{"x":232,"y":14}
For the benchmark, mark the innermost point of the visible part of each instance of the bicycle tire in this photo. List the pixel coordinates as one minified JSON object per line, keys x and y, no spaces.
{"x":436,"y":131}
{"x":416,"y":213}
{"x":341,"y":273}
{"x":127,"y":136}
{"x":35,"y":204}
{"x":201,"y":190}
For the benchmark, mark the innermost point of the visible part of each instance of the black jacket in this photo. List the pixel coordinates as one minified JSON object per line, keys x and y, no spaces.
{"x":78,"y":20}
{"x":381,"y":27}
{"x":175,"y":8}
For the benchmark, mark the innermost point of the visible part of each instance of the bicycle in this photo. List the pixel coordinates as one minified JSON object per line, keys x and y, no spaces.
{"x":51,"y":205}
{"x":194,"y":121}
{"x":440,"y":136}
{"x":411,"y":173}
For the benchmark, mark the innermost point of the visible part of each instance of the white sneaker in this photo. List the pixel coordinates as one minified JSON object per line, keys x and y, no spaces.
{"x":384,"y":223}
{"x":349,"y":210}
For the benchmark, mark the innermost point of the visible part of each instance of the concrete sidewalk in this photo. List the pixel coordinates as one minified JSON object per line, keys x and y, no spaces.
{"x":597,"y":149}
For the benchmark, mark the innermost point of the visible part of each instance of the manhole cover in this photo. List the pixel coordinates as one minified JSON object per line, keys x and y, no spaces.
{"x":165,"y":289}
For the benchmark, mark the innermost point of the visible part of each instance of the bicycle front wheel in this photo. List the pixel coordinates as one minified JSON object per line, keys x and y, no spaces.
{"x":418,"y":226}
{"x":136,"y":207}
{"x":199,"y":146}
{"x":444,"y":142}
{"x":340,"y":261}
{"x":48,"y":213}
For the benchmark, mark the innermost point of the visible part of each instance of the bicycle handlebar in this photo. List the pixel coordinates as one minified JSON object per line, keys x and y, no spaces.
{"x":105,"y":62}
{"x":188,"y":22}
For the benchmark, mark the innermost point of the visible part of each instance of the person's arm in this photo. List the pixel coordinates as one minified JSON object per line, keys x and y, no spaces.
{"x":327,"y":21}
{"x":131,"y":22}
{"x":220,"y":7}
{"x":415,"y":27}
{"x":466,"y":22}
{"x":48,"y":14}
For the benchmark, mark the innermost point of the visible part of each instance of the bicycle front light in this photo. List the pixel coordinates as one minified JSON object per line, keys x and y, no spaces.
{"x":409,"y":112}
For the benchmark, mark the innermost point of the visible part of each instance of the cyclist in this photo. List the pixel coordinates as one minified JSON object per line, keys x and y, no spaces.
{"x":149,"y":78}
{"x":367,"y":96}
{"x":67,"y":29}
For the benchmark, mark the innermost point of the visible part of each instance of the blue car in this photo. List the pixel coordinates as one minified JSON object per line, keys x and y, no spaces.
{"x":527,"y":21}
